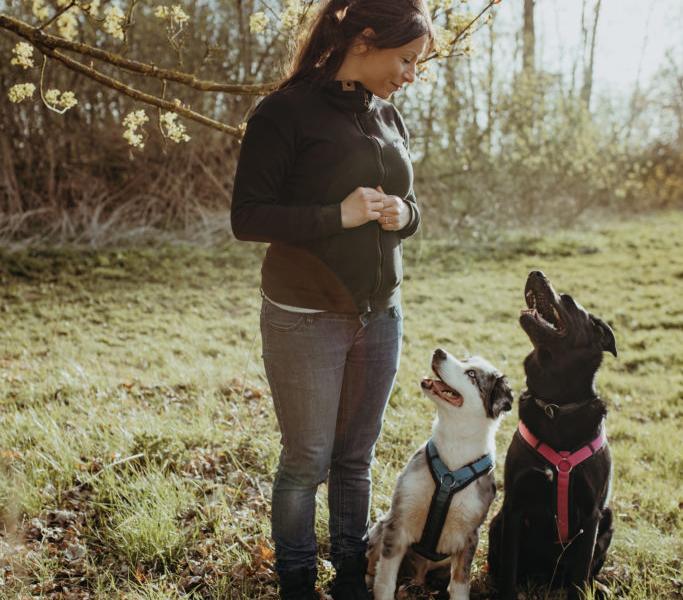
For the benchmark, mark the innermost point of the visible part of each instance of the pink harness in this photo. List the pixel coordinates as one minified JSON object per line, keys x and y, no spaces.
{"x":563,"y":462}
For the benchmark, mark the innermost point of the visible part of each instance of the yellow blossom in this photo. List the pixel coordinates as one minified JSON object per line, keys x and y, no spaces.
{"x":132,"y":121}
{"x":135,"y":119}
{"x":178,"y":14}
{"x":443,"y":41}
{"x":175,"y":14}
{"x":134,"y":139}
{"x":291,"y":14}
{"x":60,"y":100}
{"x":52,"y":96}
{"x":175,"y":131}
{"x":23,"y":55}
{"x":258,"y":22}
{"x":92,"y":7}
{"x":426,"y":74}
{"x":21,"y":91}
{"x":457,"y":22}
{"x":39,"y":10}
{"x":113,"y":22}
{"x":67,"y":26}
{"x":68,"y":100}
{"x":435,"y":5}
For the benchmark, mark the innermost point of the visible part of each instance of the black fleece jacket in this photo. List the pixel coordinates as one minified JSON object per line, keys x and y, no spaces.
{"x":305,"y":149}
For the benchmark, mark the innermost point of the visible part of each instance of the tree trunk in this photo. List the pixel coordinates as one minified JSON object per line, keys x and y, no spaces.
{"x":587,"y":88}
{"x":490,"y":80}
{"x":529,"y":38}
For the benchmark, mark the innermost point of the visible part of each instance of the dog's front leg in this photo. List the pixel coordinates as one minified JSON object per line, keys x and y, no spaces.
{"x":386,"y":574}
{"x":461,"y":565}
{"x":509,"y":555}
{"x":584,"y":546}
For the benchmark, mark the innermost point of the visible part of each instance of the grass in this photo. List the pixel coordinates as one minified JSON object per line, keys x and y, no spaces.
{"x":138,"y":444}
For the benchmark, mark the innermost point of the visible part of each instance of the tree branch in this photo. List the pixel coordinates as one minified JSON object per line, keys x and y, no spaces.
{"x":121,"y":87}
{"x":52,"y":42}
{"x":461,"y":34}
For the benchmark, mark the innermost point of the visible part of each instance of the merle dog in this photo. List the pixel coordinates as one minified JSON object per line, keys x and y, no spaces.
{"x":555,"y":524}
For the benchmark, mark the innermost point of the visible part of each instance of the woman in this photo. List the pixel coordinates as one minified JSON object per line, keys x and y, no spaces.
{"x":324,"y":176}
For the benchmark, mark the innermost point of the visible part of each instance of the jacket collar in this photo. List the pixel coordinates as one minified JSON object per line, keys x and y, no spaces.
{"x":349,"y":95}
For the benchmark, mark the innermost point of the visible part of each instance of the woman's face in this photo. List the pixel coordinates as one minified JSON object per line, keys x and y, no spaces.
{"x":384,"y":71}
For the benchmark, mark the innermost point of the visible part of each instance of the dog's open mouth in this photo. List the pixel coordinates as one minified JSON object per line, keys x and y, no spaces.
{"x":442,"y":390}
{"x":542,"y":304}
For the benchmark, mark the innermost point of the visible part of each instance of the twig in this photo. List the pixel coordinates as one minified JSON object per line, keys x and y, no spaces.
{"x":121,"y":461}
{"x":55,"y":16}
{"x":461,"y":34}
{"x":42,"y":90}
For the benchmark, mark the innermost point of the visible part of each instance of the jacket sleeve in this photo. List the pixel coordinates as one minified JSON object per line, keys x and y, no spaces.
{"x":410,"y":200}
{"x":266,"y":158}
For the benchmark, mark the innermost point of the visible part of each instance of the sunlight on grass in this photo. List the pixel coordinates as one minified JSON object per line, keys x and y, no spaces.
{"x":142,"y":516}
{"x":138,"y":443}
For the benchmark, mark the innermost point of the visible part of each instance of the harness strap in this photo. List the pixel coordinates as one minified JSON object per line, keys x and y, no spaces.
{"x":564,"y":462}
{"x":447,"y":484}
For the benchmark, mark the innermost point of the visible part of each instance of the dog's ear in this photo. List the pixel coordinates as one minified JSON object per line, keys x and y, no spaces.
{"x":607,"y":341}
{"x":500,"y":398}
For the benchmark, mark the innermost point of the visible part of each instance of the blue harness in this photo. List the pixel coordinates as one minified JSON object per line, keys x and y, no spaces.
{"x":447,"y":484}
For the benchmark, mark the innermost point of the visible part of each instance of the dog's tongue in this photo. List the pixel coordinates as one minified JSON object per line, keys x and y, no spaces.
{"x":444,"y":392}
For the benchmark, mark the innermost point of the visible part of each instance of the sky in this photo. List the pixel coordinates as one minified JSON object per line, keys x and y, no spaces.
{"x":632,"y":39}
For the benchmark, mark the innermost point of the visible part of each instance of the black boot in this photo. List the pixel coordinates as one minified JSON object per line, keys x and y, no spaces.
{"x":298,"y":584}
{"x":349,"y":583}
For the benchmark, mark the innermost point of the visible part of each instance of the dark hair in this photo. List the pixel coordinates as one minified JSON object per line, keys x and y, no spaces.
{"x":324,"y":45}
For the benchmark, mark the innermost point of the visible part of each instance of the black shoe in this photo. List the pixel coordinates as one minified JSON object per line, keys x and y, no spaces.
{"x":349,"y":583}
{"x":298,"y":584}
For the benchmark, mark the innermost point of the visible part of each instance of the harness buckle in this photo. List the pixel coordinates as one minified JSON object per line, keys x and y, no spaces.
{"x":448,"y":480}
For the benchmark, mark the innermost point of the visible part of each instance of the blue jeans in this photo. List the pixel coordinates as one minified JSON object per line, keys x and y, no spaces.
{"x":330,"y":375}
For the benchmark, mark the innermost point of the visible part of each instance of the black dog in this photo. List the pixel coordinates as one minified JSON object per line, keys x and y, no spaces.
{"x":555,"y":525}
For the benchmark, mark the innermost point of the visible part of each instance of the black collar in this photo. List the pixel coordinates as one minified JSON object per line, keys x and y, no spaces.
{"x":552,"y":410}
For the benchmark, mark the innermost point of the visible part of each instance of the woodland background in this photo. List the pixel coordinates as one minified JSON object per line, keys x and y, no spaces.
{"x":496,"y":138}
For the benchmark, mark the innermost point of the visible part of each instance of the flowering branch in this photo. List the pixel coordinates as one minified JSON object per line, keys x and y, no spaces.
{"x":45,"y":40}
{"x":52,"y":98}
{"x":136,"y":94}
{"x":56,"y":16}
{"x":461,"y":34}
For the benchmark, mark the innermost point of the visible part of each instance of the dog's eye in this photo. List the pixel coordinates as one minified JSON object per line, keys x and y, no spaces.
{"x":471,"y":374}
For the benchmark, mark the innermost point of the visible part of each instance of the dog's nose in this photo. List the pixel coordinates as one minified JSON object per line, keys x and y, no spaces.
{"x":439,"y":354}
{"x":536,"y":274}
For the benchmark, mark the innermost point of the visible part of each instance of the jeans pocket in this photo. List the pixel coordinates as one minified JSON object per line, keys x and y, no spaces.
{"x":280,"y":319}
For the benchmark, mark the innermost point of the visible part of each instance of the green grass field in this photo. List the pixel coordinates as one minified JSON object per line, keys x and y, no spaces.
{"x":138,"y":444}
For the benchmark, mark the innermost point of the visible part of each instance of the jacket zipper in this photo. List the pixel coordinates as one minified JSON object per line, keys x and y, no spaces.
{"x":378,"y":278}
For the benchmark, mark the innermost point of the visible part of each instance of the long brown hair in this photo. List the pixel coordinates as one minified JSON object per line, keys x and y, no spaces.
{"x":339,"y":23}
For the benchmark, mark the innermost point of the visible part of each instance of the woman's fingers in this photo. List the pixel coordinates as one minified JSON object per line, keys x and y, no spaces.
{"x":388,"y":210}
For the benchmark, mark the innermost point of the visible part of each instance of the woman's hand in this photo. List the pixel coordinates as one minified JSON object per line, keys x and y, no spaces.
{"x":360,"y":206}
{"x":394,"y":214}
